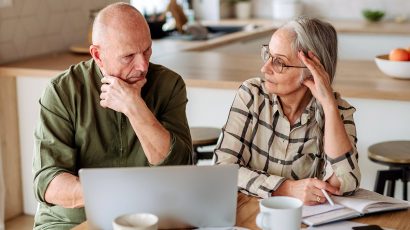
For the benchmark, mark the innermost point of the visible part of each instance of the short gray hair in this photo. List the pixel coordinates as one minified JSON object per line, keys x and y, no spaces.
{"x":312,"y":34}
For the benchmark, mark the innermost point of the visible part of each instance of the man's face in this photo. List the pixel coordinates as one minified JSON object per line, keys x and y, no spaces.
{"x":126,"y":54}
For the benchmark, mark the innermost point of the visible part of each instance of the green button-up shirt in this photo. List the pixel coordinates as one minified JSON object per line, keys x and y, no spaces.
{"x":75,"y":132}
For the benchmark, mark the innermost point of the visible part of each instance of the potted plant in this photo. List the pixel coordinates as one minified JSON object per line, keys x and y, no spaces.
{"x":242,"y":8}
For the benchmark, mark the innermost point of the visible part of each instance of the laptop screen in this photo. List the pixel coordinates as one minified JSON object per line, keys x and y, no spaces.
{"x":181,"y":196}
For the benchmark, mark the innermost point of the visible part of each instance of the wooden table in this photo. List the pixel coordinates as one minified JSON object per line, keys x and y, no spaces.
{"x":248,"y":208}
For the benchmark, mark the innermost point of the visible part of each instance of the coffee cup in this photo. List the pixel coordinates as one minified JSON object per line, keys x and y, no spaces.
{"x":136,"y":221}
{"x":280,"y":212}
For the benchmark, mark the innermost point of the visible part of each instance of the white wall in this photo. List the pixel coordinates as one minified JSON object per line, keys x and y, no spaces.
{"x":367,"y":46}
{"x":29,"y":90}
{"x":208,"y":107}
{"x":33,"y":27}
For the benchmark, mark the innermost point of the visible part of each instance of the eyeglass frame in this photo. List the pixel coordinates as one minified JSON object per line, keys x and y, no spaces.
{"x":264,"y":48}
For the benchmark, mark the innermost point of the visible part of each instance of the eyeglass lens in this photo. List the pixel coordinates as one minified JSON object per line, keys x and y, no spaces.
{"x":277,"y":63}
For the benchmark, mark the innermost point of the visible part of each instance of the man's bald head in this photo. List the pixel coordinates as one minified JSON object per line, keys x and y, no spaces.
{"x":118,"y":19}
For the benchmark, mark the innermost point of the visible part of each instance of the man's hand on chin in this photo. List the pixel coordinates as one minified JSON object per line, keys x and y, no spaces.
{"x":119,"y":95}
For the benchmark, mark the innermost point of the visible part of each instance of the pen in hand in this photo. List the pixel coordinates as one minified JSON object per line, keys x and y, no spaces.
{"x":327,"y":197}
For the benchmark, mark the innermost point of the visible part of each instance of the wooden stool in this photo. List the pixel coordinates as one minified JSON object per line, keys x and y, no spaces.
{"x":396,"y":155}
{"x":201,"y":137}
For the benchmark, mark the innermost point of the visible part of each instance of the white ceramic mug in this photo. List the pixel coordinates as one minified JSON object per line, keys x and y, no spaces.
{"x":136,"y":221}
{"x":280,"y":212}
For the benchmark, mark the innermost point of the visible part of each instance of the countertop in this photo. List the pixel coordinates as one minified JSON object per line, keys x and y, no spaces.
{"x":265,"y":27}
{"x":359,"y":79}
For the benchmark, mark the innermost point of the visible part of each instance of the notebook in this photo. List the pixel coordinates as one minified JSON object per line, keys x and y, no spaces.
{"x":181,"y":196}
{"x":361,"y":203}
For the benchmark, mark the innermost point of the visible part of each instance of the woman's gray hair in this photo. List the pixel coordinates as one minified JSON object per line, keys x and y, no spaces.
{"x":319,"y":37}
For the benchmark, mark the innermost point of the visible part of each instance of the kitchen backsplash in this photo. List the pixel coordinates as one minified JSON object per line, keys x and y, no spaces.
{"x":33,"y":27}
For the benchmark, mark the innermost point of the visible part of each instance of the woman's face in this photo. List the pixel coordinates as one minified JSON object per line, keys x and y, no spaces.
{"x":289,"y":80}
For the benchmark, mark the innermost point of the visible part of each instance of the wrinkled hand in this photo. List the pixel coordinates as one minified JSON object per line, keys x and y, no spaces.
{"x":118,"y":95}
{"x":307,"y":190}
{"x":319,"y":84}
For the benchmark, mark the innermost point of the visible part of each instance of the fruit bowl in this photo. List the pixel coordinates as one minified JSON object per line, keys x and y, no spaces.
{"x":396,"y":69}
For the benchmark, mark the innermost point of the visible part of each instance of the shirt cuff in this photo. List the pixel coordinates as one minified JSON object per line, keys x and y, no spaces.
{"x":271,"y":183}
{"x":42,"y":182}
{"x":173,"y":140}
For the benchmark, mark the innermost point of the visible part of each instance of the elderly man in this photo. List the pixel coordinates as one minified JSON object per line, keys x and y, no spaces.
{"x":115,"y":110}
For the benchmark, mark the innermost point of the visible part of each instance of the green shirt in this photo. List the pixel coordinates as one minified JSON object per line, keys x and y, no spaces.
{"x":75,"y":132}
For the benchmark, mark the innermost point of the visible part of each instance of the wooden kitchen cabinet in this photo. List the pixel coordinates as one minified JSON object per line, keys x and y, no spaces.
{"x":10,"y":148}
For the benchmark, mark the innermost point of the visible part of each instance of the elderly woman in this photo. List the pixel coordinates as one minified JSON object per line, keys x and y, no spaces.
{"x":289,"y":132}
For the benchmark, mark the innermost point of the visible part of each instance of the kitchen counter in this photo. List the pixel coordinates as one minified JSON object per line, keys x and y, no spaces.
{"x":265,"y":27}
{"x":357,"y":79}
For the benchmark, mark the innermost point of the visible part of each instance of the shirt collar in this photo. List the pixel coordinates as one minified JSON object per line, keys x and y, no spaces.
{"x":307,"y":113}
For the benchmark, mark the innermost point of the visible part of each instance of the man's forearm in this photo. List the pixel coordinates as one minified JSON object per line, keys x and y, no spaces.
{"x":65,"y":190}
{"x":155,"y":138}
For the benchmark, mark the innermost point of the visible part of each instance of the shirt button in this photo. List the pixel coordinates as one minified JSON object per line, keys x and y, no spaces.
{"x":279,"y":162}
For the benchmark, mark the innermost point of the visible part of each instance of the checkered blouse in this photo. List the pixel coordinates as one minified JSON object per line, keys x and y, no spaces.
{"x":259,"y":138}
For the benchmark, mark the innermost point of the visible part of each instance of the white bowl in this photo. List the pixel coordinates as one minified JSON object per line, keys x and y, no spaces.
{"x":396,"y":69}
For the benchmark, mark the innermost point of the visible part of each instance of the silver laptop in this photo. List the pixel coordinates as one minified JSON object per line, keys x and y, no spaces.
{"x":181,"y":196}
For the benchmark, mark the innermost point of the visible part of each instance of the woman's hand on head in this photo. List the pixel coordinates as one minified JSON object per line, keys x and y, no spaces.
{"x":319,"y":84}
{"x":307,"y":190}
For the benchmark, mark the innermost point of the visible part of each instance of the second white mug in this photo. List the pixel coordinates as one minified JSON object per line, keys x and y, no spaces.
{"x":136,"y":221}
{"x":280,"y":212}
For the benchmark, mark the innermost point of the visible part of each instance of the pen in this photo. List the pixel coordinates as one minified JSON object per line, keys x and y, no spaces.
{"x":327,"y":197}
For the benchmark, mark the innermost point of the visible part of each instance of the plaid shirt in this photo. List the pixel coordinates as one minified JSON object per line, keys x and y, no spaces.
{"x":268,"y":149}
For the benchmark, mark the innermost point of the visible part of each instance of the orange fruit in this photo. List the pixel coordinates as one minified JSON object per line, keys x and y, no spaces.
{"x":399,"y":54}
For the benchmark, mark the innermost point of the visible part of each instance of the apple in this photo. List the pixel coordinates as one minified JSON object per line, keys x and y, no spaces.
{"x":399,"y":54}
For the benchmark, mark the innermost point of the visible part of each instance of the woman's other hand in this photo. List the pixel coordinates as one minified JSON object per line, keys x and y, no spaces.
{"x":307,"y":190}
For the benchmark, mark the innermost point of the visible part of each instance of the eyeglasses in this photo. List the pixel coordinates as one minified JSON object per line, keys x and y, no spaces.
{"x":277,"y":63}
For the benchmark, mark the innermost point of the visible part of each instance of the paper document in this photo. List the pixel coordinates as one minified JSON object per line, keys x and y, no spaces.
{"x":317,"y":209}
{"x":341,"y":225}
{"x":359,"y":204}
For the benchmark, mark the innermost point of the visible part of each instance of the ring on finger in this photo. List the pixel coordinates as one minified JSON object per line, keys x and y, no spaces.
{"x":318,"y":198}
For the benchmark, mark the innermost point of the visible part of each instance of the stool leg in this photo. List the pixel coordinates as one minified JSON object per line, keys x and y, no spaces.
{"x":194,"y":155}
{"x":405,"y":179}
{"x":390,"y":187}
{"x":380,"y":182}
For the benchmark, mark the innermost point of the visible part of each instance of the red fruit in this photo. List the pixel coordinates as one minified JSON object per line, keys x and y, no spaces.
{"x":399,"y":54}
